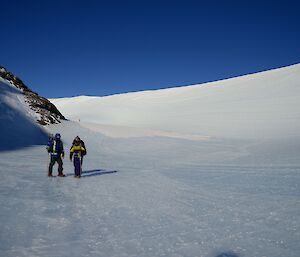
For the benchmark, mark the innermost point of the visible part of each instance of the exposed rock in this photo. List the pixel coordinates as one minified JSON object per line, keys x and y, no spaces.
{"x":45,"y":111}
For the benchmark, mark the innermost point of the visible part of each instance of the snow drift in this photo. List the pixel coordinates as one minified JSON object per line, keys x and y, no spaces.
{"x":17,"y":122}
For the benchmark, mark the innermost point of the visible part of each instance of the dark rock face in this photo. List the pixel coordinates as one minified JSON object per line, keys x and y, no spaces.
{"x":47,"y":112}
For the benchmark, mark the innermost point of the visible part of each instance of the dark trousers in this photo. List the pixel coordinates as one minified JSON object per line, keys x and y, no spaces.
{"x":52,"y":162}
{"x":77,"y":165}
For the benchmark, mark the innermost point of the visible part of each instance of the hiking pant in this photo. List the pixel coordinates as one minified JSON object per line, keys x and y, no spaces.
{"x":59,"y":161}
{"x":77,"y":165}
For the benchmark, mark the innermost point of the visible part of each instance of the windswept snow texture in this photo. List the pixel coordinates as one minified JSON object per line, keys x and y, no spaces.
{"x":166,"y":175}
{"x":18,"y":128}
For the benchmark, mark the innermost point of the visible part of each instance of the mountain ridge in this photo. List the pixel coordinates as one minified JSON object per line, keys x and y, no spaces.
{"x":46,"y":112}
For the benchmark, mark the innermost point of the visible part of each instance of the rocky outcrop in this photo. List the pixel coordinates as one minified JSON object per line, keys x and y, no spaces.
{"x":45,"y":111}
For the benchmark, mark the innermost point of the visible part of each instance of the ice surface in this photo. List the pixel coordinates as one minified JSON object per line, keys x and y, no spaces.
{"x":154,"y":205}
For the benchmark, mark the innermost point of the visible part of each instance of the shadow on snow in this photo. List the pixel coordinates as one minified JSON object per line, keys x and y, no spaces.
{"x":227,"y":254}
{"x":95,"y":172}
{"x":17,"y":129}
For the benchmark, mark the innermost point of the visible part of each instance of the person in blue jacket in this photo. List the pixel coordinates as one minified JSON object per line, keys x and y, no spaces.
{"x":55,"y":149}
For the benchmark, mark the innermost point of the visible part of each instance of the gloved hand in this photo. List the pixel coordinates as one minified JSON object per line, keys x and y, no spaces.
{"x":62,"y":155}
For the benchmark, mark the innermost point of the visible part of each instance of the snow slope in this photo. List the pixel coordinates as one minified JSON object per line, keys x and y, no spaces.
{"x":262,"y":105}
{"x":155,"y":185}
{"x":17,"y":122}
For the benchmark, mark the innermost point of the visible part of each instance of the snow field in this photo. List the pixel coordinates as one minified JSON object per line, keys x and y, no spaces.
{"x":146,"y":210}
{"x":205,"y":171}
{"x":257,"y":106}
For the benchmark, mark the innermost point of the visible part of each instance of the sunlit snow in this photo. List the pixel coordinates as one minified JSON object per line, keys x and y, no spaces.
{"x":209,"y":170}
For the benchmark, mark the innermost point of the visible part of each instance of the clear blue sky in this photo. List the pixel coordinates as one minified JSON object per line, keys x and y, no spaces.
{"x":67,"y":48}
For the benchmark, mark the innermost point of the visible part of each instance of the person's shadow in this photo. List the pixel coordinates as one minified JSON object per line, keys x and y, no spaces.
{"x":95,"y":172}
{"x":227,"y":254}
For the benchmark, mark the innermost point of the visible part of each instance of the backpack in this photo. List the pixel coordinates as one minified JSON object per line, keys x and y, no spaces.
{"x":82,"y":144}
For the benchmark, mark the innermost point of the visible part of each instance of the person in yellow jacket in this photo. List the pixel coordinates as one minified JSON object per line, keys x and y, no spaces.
{"x":76,"y":153}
